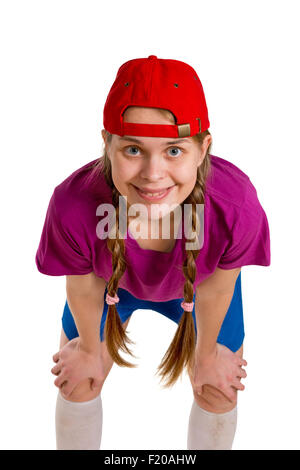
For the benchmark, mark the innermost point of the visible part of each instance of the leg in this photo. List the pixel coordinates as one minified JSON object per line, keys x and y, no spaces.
{"x":78,"y":419}
{"x":213,"y":419}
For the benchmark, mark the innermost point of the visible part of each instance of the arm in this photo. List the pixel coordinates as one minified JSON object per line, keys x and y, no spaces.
{"x":215,"y":364}
{"x":213,"y":297}
{"x":81,"y":358}
{"x":85,"y":296}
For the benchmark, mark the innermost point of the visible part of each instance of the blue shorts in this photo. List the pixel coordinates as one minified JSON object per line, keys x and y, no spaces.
{"x":231,"y":333}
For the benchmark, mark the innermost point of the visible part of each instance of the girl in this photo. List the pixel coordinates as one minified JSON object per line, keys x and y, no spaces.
{"x":156,"y":163}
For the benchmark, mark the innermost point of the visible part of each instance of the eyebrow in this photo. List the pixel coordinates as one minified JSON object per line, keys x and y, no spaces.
{"x":132,"y":139}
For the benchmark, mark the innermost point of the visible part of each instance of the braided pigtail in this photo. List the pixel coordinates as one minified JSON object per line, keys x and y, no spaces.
{"x":181,"y":349}
{"x":115,"y":336}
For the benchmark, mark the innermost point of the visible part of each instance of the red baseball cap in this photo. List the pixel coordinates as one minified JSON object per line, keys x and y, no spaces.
{"x":157,"y":83}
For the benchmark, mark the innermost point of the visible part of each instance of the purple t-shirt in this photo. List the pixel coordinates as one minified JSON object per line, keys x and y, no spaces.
{"x":236,"y":234}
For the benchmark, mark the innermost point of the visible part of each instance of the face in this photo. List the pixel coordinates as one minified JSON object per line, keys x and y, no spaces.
{"x":154,"y":164}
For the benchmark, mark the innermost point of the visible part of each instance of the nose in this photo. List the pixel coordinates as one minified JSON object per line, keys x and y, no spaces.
{"x":153,"y":168}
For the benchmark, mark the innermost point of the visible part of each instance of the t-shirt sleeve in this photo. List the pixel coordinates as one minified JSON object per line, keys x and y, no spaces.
{"x":250,"y":241}
{"x":62,"y":248}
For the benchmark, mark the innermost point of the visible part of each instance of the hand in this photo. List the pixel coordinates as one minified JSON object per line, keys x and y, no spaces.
{"x":221,"y":369}
{"x":74,"y":364}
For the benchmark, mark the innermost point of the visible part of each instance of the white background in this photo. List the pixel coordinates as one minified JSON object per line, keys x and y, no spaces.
{"x":58,"y":62}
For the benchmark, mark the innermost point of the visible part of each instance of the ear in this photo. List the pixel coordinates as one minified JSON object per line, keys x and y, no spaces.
{"x":103,"y":134}
{"x":205,"y":144}
{"x":208,"y":140}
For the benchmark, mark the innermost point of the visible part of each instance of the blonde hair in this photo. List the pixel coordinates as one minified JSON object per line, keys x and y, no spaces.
{"x":180,"y":353}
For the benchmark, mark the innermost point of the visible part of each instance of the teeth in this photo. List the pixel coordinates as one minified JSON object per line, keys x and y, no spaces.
{"x":153,"y":194}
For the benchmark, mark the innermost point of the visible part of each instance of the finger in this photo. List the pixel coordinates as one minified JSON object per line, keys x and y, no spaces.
{"x":238,"y":385}
{"x":241,"y":373}
{"x":60,"y":379}
{"x":229,"y":393}
{"x":241,"y":362}
{"x":198,"y":389}
{"x":96,"y":383}
{"x":67,"y":388}
{"x":55,"y":357}
{"x":56,"y":369}
{"x":61,"y":388}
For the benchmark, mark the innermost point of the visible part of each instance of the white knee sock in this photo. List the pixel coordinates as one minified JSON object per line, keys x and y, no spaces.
{"x":211,"y":431}
{"x":78,"y":424}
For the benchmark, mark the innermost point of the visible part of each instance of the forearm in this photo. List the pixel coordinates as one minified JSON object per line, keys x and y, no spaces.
{"x":210,"y":313}
{"x":87,"y":312}
{"x":213,"y":297}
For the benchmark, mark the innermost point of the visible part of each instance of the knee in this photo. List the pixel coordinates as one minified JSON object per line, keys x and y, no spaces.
{"x":83,"y":392}
{"x":213,"y":400}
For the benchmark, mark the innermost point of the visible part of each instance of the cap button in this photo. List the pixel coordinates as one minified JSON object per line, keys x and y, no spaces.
{"x":152,"y":57}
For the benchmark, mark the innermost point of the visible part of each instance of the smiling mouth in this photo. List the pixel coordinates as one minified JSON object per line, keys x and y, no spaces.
{"x":155,"y":195}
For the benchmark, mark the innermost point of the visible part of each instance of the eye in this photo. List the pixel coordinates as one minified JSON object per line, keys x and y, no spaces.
{"x":131,"y":147}
{"x":175,"y":148}
{"x":170,"y":148}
